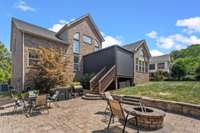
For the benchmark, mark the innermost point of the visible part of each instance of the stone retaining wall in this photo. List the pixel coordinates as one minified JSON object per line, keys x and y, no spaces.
{"x":171,"y":106}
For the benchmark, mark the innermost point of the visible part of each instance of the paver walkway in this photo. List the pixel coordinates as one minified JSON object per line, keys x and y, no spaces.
{"x":82,"y":116}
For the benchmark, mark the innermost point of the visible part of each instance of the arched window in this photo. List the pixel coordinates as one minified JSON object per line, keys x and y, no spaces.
{"x":76,"y":43}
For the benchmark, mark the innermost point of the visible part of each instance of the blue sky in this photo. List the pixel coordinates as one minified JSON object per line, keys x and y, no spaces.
{"x":165,"y":25}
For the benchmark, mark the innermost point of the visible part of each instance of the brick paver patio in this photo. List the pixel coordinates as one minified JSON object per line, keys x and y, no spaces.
{"x":81,"y":116}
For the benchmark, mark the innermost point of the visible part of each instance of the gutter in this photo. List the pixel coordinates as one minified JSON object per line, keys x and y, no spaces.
{"x":23,"y":60}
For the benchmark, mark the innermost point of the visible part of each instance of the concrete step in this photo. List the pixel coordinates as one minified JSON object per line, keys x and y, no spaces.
{"x":131,"y":99}
{"x":131,"y":103}
{"x":92,"y":96}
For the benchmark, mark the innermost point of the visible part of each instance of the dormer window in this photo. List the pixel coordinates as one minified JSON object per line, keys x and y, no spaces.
{"x":87,"y":39}
{"x":76,"y":43}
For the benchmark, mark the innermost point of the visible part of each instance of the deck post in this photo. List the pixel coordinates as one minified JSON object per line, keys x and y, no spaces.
{"x":116,"y":83}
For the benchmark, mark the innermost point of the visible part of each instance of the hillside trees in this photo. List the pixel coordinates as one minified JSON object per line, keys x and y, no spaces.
{"x":5,"y":64}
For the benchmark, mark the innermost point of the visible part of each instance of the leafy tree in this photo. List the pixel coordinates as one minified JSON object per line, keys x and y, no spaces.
{"x":179,"y":70}
{"x":52,"y":70}
{"x":191,"y":58}
{"x":5,"y":64}
{"x":198,"y":73}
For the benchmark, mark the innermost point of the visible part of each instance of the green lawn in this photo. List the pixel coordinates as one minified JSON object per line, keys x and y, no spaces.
{"x":182,"y":91}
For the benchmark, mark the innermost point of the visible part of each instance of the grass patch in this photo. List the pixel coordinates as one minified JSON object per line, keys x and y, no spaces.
{"x":182,"y":91}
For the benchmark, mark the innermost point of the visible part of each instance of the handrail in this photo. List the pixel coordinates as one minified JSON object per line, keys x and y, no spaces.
{"x":97,"y":74}
{"x":95,"y":78}
{"x":112,"y":73}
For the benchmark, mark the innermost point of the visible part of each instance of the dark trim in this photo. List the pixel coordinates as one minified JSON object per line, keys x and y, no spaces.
{"x":109,"y":48}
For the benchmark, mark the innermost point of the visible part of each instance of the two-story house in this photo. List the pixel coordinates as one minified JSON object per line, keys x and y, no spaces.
{"x":161,"y":63}
{"x":80,"y":42}
{"x":76,"y":39}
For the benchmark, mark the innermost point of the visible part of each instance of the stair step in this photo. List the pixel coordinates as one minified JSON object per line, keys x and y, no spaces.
{"x":92,"y":98}
{"x":92,"y":95}
{"x":131,"y":103}
{"x":131,"y":99}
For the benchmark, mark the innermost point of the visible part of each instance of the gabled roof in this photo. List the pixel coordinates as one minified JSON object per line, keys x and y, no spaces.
{"x":134,"y":46}
{"x":36,"y":30}
{"x":159,"y":59}
{"x":69,"y":25}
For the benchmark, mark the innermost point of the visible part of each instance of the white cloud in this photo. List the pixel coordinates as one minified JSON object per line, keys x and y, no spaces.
{"x":191,"y":24}
{"x":179,"y":41}
{"x":23,"y":6}
{"x":110,"y":40}
{"x":152,"y":34}
{"x":156,"y":52}
{"x":165,"y":42}
{"x":176,"y":41}
{"x":59,"y":25}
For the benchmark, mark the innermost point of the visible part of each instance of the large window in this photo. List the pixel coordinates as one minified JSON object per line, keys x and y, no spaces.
{"x":151,"y":66}
{"x":76,"y":43}
{"x":141,"y":66}
{"x":33,"y":58}
{"x":76,"y":64}
{"x":87,"y":39}
{"x":161,"y":65}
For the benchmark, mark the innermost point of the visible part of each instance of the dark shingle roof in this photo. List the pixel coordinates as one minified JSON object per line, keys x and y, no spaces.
{"x":134,"y":45}
{"x":162,"y":58}
{"x":36,"y":30}
{"x":79,"y":19}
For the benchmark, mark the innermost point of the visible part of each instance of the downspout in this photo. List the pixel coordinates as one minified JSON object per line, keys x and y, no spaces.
{"x":23,"y":60}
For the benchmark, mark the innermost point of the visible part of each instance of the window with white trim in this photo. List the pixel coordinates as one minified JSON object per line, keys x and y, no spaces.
{"x":76,"y":63}
{"x":87,"y":39}
{"x":76,"y":43}
{"x":33,"y":57}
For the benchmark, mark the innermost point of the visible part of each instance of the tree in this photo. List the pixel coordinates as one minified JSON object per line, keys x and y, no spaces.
{"x":52,"y":70}
{"x":5,"y":64}
{"x":198,"y":73}
{"x":179,"y":70}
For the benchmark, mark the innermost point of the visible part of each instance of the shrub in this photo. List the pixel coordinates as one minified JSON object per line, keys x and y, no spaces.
{"x":85,"y":80}
{"x":179,"y":70}
{"x":159,"y":76}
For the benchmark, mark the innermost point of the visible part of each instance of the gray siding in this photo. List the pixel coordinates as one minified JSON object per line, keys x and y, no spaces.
{"x":108,"y":57}
{"x":124,"y":63}
{"x":94,"y":62}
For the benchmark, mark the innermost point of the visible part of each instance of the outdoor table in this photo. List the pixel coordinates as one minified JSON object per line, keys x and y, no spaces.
{"x":63,"y":91}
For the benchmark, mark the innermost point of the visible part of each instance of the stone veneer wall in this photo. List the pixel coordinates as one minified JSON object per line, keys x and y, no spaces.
{"x":171,"y":106}
{"x":140,"y":78}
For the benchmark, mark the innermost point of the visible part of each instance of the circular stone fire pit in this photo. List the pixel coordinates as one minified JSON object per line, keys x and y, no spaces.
{"x":148,"y":118}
